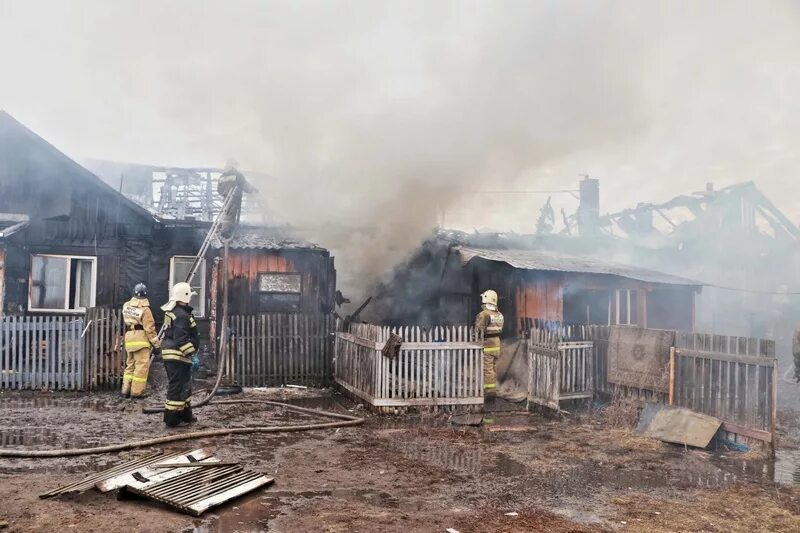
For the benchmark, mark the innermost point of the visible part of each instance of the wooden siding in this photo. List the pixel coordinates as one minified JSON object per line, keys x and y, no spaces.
{"x":315,"y":267}
{"x":540,"y":298}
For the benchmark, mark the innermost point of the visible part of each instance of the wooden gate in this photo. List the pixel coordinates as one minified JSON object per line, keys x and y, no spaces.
{"x":559,"y":368}
{"x":104,"y":364}
{"x":41,"y":352}
{"x":276,"y":349}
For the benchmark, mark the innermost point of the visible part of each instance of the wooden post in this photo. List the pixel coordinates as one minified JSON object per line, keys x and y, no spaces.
{"x":672,"y":353}
{"x":774,"y":421}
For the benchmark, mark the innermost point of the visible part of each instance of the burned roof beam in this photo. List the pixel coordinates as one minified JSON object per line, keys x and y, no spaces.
{"x":764,"y":203}
{"x":665,"y":217}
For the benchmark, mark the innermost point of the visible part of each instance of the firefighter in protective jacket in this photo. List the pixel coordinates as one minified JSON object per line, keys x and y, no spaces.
{"x":232,"y":180}
{"x":139,"y":338}
{"x":179,"y":352}
{"x":489,"y":322}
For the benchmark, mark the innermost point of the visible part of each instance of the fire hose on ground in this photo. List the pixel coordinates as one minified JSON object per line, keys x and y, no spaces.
{"x":344,"y":420}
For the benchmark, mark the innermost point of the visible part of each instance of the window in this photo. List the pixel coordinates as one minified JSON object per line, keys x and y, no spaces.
{"x":627,"y":307}
{"x":179,"y":267}
{"x":279,"y":291}
{"x":62,"y":283}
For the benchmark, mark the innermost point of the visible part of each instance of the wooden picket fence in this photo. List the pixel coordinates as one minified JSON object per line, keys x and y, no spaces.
{"x":274,"y":349}
{"x":728,"y":377}
{"x":104,"y":364}
{"x":740,"y":390}
{"x":436,"y":367}
{"x":41,"y":352}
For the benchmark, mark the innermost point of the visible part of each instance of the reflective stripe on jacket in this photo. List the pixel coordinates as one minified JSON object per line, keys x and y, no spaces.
{"x":140,"y":328}
{"x":490,"y":322}
{"x":181,"y":339}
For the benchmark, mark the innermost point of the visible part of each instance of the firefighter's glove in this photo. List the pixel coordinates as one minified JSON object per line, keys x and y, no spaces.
{"x":195,"y":362}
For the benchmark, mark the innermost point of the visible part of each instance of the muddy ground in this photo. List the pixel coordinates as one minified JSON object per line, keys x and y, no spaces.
{"x":407,"y":474}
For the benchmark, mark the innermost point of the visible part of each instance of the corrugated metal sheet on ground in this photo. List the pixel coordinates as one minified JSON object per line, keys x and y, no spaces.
{"x":194,"y":492}
{"x":104,"y":480}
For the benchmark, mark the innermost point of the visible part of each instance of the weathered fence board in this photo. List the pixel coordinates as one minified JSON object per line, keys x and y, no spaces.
{"x":560,"y":364}
{"x":738,"y":389}
{"x":274,"y":349}
{"x":439,"y":366}
{"x":731,"y":378}
{"x":104,"y":364}
{"x":41,"y":352}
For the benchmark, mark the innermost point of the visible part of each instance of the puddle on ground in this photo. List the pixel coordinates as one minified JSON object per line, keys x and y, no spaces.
{"x":60,"y":403}
{"x":458,"y":458}
{"x":718,"y":472}
{"x":31,"y":436}
{"x":784,"y":469}
{"x":323,"y":403}
{"x":787,"y":467}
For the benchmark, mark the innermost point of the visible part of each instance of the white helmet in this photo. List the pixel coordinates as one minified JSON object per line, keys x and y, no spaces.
{"x":489,"y":297}
{"x":181,"y":292}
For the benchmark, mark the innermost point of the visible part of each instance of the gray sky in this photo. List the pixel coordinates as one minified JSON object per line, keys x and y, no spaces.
{"x":384,"y":113}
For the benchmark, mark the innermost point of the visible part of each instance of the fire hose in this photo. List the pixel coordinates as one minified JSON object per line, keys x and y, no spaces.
{"x":344,"y":421}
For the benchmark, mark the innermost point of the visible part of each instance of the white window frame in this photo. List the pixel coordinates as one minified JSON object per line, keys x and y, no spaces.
{"x":627,"y":295}
{"x":67,"y":310}
{"x":201,"y":273}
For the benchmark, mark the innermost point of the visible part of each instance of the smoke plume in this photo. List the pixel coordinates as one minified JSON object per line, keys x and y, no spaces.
{"x":379,"y":119}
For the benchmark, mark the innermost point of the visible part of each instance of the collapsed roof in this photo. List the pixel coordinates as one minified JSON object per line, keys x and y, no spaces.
{"x":740,"y":208}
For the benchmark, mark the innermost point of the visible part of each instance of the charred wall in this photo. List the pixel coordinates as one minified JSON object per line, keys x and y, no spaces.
{"x":315,"y":267}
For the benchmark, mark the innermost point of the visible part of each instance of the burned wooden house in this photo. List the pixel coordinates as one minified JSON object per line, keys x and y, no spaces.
{"x":733,"y":239}
{"x":442,"y":282}
{"x":70,"y":242}
{"x":80,"y":243}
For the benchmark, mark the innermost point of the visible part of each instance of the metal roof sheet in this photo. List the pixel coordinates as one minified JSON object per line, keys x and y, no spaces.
{"x":264,"y":239}
{"x":11,"y":223}
{"x":550,"y":261}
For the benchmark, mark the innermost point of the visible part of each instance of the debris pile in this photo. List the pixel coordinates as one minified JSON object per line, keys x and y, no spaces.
{"x":191,"y":482}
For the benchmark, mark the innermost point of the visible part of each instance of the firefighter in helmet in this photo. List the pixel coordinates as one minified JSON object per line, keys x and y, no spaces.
{"x":139,"y":338}
{"x":232,"y":180}
{"x":179,"y":352}
{"x":489,"y":322}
